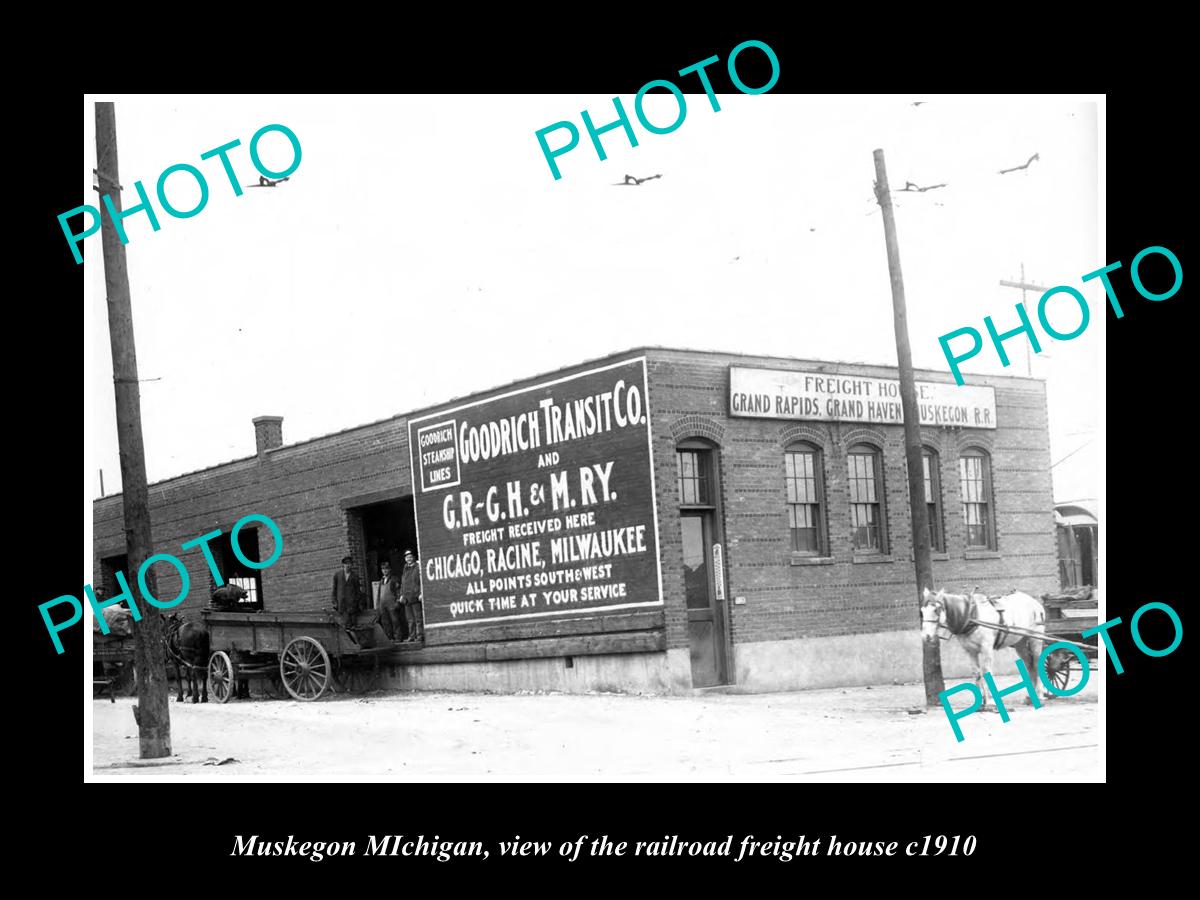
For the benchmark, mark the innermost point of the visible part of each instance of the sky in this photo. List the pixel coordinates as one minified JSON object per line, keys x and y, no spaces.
{"x":423,"y":251}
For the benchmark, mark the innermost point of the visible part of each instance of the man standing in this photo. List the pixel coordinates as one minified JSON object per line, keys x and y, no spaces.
{"x":390,"y":616}
{"x":347,"y":595}
{"x":410,"y":593}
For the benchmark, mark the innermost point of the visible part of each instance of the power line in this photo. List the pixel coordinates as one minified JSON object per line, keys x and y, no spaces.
{"x":1072,"y":453}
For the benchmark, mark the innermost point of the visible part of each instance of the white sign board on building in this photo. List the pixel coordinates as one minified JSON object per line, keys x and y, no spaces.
{"x":830,"y":397}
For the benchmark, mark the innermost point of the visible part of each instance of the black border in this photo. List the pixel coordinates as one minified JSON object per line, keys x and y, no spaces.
{"x":1146,"y":526}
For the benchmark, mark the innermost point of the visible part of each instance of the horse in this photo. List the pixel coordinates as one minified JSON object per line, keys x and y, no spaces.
{"x":958,"y":614}
{"x":187,"y":647}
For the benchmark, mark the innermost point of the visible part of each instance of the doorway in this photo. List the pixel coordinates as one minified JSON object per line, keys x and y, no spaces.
{"x":703,"y":567}
{"x":388,"y":530}
{"x":706,"y":632}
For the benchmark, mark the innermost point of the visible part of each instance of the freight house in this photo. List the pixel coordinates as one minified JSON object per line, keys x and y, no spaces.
{"x":657,"y":520}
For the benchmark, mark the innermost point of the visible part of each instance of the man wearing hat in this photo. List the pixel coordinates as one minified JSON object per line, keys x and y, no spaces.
{"x":347,"y":595}
{"x":410,"y":594}
{"x":390,"y":616}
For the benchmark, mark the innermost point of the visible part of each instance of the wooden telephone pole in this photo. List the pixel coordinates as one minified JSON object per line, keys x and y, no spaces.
{"x":1025,"y":286}
{"x":931,"y":650}
{"x":153,"y":711}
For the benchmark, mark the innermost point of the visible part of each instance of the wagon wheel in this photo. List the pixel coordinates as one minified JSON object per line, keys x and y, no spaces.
{"x":1058,"y":669}
{"x":221,"y":676}
{"x":305,"y":669}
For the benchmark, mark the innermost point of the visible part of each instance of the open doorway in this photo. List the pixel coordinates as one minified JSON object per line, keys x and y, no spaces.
{"x":388,"y":529}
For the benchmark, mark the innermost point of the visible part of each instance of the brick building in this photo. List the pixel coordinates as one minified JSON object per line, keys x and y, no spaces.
{"x":679,"y":519}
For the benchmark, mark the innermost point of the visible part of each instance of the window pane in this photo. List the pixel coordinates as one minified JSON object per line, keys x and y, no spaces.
{"x":804,"y":511}
{"x":865,"y":510}
{"x":804,"y":540}
{"x":693,"y":476}
{"x":973,"y":474}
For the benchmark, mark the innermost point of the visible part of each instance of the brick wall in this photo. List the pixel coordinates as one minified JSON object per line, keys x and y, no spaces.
{"x":299,"y":487}
{"x":303,"y":487}
{"x":689,"y":396}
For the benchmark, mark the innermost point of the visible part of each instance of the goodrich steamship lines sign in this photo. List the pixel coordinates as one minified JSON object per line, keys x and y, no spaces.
{"x":826,"y":397}
{"x":538,"y":503}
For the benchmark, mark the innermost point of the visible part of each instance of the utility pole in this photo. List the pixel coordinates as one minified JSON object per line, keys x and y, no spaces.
{"x":931,"y":650}
{"x":1025,"y":286}
{"x":153,"y":712}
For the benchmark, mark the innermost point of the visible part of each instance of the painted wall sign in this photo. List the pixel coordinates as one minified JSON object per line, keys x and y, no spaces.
{"x":539,"y":502}
{"x":825,"y":397}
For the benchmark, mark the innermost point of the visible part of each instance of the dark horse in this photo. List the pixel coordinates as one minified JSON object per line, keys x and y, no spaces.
{"x":187,"y":649}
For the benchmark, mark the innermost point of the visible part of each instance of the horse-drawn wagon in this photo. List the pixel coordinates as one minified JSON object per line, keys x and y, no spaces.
{"x":985,"y":624}
{"x":1068,"y":615}
{"x":306,"y":652}
{"x":112,"y":663}
{"x":112,"y":653}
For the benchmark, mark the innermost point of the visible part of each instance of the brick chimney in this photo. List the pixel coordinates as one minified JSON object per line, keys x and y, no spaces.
{"x":268,"y":434}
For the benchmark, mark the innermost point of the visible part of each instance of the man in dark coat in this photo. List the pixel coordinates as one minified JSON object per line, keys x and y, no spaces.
{"x":347,"y":595}
{"x":390,"y":616}
{"x":410,"y":593}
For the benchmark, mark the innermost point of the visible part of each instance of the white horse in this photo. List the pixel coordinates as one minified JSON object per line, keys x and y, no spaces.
{"x":958,"y":613}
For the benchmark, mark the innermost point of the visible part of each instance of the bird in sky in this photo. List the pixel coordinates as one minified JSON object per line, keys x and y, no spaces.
{"x":630,"y":181}
{"x":909,"y":186}
{"x":1019,"y":168}
{"x":264,"y":181}
{"x":919,"y":103}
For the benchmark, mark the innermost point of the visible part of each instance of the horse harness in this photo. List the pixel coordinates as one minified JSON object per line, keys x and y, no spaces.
{"x":971,"y":619}
{"x":173,"y":631}
{"x":1001,"y":630}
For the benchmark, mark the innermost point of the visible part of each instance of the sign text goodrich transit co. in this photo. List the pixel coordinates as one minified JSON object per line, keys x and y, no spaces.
{"x":539,"y":502}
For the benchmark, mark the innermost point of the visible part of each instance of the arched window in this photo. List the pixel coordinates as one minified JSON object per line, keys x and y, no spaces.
{"x":933,"y":498}
{"x":975,"y":480}
{"x":803,"y":478}
{"x":867,"y":512}
{"x":694,"y":474}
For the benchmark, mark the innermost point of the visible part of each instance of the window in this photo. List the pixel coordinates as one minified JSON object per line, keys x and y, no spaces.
{"x":109,"y":567}
{"x":234,"y":571}
{"x":694,"y":466}
{"x":866,"y":500}
{"x":933,"y":499}
{"x":805,"y":497}
{"x":975,"y":477}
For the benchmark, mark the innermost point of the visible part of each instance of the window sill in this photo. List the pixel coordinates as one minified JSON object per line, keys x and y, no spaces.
{"x":939,"y":556}
{"x":796,"y":560}
{"x":873,"y":558}
{"x":981,"y":554}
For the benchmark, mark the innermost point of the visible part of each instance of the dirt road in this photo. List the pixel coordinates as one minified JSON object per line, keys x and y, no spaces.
{"x":852,"y":734}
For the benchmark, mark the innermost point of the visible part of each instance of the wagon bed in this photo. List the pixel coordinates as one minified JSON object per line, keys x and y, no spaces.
{"x":306,"y":651}
{"x":112,"y":662}
{"x":1067,"y":615}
